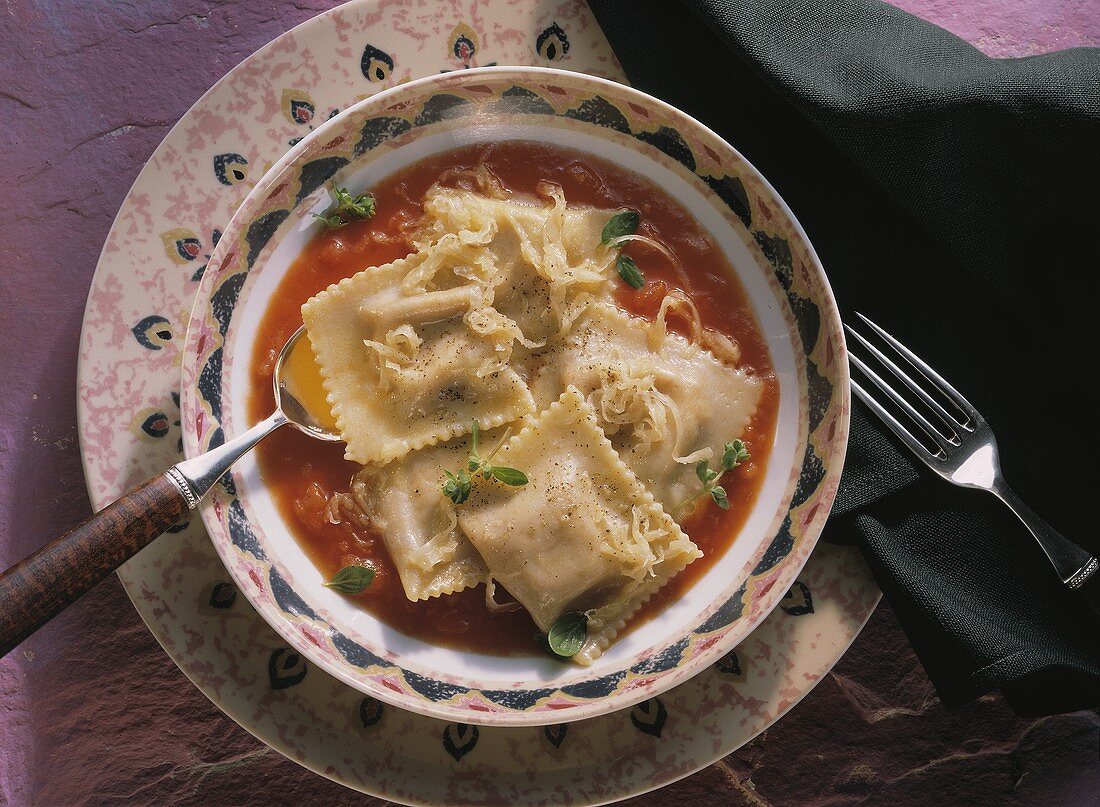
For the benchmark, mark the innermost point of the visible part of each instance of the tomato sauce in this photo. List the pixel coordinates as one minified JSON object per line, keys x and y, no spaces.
{"x":303,"y":473}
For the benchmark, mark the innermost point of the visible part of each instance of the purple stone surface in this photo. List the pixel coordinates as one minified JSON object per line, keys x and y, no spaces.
{"x":92,"y":712}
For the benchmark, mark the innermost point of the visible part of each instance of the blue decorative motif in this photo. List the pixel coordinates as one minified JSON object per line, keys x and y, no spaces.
{"x":376,"y":64}
{"x":377,"y":131}
{"x":441,"y":106}
{"x":729,"y":664}
{"x":153,"y":332}
{"x":371,"y":711}
{"x":287,"y":598}
{"x":316,"y":173}
{"x":260,"y":232}
{"x":188,"y":247}
{"x":813,"y":471}
{"x":230,"y":168}
{"x":459,"y":739}
{"x":463,"y":48}
{"x":729,"y":612}
{"x":355,"y":654}
{"x":520,"y":100}
{"x":778,"y":253}
{"x":670,"y":142}
{"x":240,"y":532}
{"x":820,"y":392}
{"x":209,"y":386}
{"x":779,"y":548}
{"x":667,"y":659}
{"x":797,"y":601}
{"x":155,"y":425}
{"x":517,"y":698}
{"x":285,"y":668}
{"x":301,"y":111}
{"x":556,"y":733}
{"x":600,"y":112}
{"x":552,"y":44}
{"x":222,"y":596}
{"x":732,"y":191}
{"x":649,"y":717}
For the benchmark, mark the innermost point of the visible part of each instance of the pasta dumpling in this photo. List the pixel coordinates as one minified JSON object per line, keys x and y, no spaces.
{"x":582,"y":535}
{"x":663,"y":408}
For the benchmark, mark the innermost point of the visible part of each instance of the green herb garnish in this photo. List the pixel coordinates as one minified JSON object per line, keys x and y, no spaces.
{"x":568,"y":634}
{"x":348,"y":208}
{"x":457,"y":486}
{"x":622,"y":223}
{"x":629,"y":272}
{"x":351,"y":580}
{"x":733,"y":453}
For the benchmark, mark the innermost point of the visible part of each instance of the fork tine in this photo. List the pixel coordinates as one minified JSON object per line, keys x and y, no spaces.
{"x":933,"y":434}
{"x":915,"y":445}
{"x":949,"y":420}
{"x":930,"y":374}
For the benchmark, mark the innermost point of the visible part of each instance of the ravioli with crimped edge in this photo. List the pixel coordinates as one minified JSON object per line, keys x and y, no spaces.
{"x":514,"y":426}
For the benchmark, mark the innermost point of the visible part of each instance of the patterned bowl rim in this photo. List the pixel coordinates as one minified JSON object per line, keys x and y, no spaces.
{"x":768,"y":576}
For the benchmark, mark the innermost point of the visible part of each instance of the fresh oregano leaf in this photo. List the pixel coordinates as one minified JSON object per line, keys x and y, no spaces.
{"x":701,"y":469}
{"x":718,"y":493}
{"x":568,"y":634}
{"x":351,"y":580}
{"x":359,"y":207}
{"x":347,"y":208}
{"x":509,"y":476}
{"x":629,"y":272}
{"x":734,"y":452}
{"x":622,"y":223}
{"x":456,"y":487}
{"x":333,"y":221}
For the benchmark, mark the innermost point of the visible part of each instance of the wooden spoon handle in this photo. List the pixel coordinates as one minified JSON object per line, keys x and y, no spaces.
{"x":41,"y":585}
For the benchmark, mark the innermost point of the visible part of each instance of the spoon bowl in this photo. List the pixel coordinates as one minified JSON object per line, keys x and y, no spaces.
{"x":288,"y":395}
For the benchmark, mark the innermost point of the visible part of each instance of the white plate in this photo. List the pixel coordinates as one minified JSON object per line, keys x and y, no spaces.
{"x":129,"y":375}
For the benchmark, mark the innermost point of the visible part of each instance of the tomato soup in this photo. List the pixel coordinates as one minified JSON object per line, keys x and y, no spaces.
{"x":303,"y":474}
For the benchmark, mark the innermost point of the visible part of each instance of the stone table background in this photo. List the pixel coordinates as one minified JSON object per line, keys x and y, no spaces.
{"x":87,"y":90}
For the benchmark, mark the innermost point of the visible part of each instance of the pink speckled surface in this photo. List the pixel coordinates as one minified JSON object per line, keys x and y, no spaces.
{"x":1011,"y":28}
{"x":93,"y":712}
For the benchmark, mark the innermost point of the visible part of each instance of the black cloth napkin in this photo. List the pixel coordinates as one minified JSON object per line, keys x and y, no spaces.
{"x":953,"y":198}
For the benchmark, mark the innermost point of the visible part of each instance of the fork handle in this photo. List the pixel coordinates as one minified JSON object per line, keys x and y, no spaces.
{"x":1075,"y":566}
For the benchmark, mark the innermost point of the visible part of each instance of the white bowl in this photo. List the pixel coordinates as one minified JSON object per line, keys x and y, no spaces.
{"x":746,"y":218}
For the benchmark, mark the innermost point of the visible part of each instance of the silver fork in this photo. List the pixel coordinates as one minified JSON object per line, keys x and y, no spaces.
{"x":965,"y":449}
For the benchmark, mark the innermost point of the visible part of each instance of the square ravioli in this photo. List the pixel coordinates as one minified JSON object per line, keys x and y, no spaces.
{"x":582,"y":535}
{"x":403,"y":368}
{"x":419,"y":524}
{"x":545,"y":257}
{"x":664,"y":406}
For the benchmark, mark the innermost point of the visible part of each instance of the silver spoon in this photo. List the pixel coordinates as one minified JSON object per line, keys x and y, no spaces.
{"x":43,"y":584}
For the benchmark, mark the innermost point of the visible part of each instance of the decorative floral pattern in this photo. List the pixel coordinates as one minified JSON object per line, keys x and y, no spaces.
{"x":649,"y":717}
{"x":552,"y":44}
{"x":376,"y":64}
{"x":224,"y":650}
{"x":459,"y":739}
{"x":230,"y":168}
{"x":285,"y":669}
